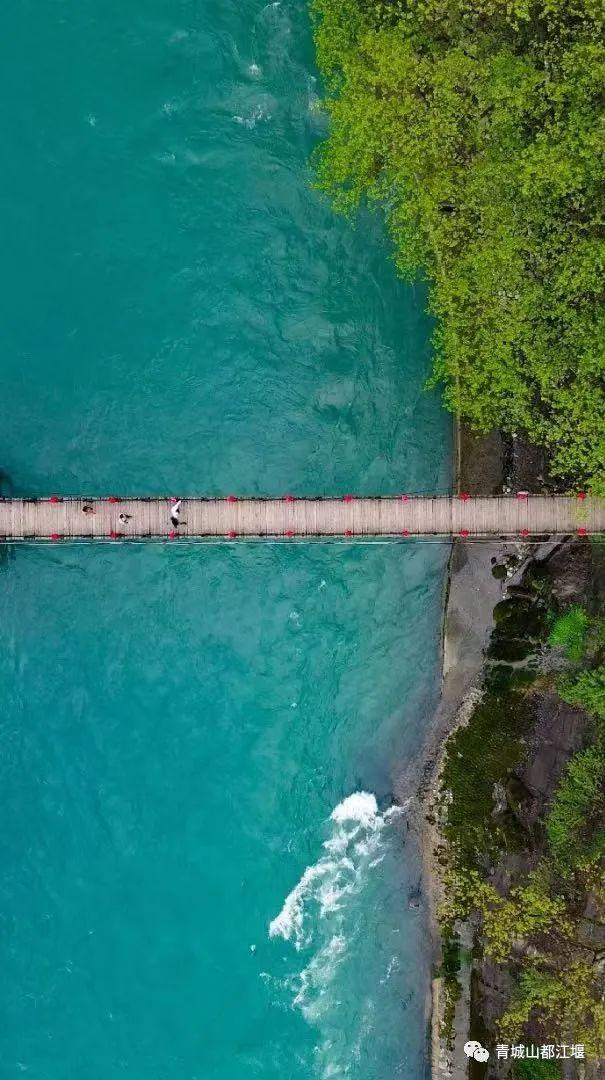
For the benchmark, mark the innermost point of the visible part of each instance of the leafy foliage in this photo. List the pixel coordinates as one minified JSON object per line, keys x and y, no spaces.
{"x":482,"y":755}
{"x":546,"y":922}
{"x":478,"y":126}
{"x":579,"y":800}
{"x":479,"y":756}
{"x":587,"y":690}
{"x":526,"y":912}
{"x":583,"y":638}
{"x":452,"y":990}
{"x":536,"y":1069}
{"x":569,"y":632}
{"x":569,"y":993}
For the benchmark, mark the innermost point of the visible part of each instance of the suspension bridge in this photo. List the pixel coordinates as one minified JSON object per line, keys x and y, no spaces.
{"x":114,"y":518}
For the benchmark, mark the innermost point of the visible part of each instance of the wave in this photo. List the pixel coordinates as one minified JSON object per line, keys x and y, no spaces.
{"x":352,"y":848}
{"x":324,"y":915}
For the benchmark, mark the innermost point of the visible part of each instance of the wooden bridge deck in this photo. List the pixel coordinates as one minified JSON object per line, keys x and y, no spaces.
{"x":508,"y":516}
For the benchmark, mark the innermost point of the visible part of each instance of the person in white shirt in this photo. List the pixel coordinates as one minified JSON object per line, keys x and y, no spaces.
{"x":175,"y":513}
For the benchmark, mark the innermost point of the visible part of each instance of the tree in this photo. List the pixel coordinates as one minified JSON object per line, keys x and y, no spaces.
{"x":477,"y":126}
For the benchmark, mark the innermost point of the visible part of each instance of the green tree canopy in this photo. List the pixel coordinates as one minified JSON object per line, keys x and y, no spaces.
{"x":478,"y":125}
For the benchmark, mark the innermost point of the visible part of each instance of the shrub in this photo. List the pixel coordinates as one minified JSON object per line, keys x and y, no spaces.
{"x":526,"y":912}
{"x":587,"y":690}
{"x":536,"y":1069}
{"x":569,"y":999}
{"x":569,"y":632}
{"x":578,"y":800}
{"x":478,"y":756}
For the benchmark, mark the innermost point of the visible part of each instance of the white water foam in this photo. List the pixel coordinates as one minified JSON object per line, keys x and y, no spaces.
{"x":259,"y":114}
{"x":321,"y":915}
{"x":352,"y":848}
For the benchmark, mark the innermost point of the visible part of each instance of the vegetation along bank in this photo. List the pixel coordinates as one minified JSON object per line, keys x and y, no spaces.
{"x":477,"y":127}
{"x":520,"y":805}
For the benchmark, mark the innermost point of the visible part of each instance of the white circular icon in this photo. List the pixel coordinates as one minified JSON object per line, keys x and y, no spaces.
{"x":474,"y":1049}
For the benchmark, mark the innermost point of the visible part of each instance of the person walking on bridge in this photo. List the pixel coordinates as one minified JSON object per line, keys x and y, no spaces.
{"x":175,"y":513}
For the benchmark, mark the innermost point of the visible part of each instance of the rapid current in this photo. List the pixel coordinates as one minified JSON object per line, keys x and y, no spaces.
{"x":204,"y":875}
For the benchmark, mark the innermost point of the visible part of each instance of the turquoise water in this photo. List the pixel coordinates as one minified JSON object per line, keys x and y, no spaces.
{"x":192,"y":885}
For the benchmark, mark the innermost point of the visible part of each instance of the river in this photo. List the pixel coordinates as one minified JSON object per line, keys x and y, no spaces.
{"x":202,"y":874}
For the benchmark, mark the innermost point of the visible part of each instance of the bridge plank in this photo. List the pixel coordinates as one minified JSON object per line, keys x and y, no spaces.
{"x":366,"y":517}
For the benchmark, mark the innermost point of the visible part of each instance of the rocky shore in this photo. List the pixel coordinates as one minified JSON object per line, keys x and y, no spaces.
{"x":481,"y":577}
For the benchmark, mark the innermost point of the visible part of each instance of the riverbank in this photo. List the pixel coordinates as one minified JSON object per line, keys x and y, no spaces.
{"x":476,"y":197}
{"x":471,"y":593}
{"x":479,"y":578}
